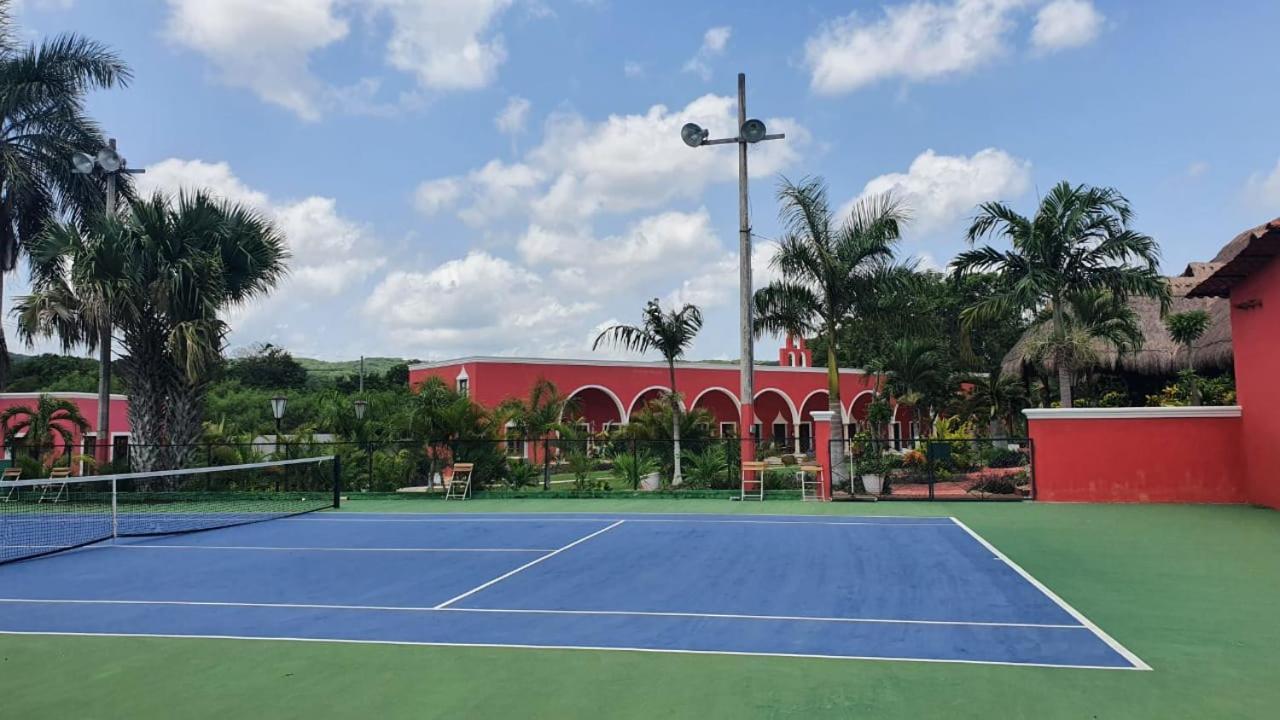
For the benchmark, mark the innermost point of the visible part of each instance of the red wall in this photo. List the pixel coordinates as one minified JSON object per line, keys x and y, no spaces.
{"x":1162,"y":459}
{"x":87,"y":404}
{"x":1256,"y":337}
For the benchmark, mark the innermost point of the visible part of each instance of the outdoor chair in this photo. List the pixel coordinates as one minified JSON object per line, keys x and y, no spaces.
{"x":12,"y":474}
{"x":458,"y":484}
{"x":57,"y":485}
{"x":752,"y":481}
{"x":810,"y":482}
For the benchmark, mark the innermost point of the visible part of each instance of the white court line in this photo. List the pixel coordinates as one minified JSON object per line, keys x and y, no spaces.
{"x":325,"y":549}
{"x":502,"y":611}
{"x":1111,"y":642}
{"x":525,"y":566}
{"x":315,"y":519}
{"x":511,"y":646}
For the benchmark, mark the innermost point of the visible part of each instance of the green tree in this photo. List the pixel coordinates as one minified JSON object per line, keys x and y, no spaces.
{"x":669,"y":333}
{"x":832,"y":271}
{"x":1078,"y":240}
{"x":994,"y":399}
{"x":52,"y":419}
{"x":1090,"y":318}
{"x":42,"y":124}
{"x":1186,"y":328}
{"x":916,"y":375}
{"x":187,"y":261}
{"x":268,"y":367}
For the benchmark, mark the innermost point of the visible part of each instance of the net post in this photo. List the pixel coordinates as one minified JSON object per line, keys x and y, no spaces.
{"x":115,"y":511}
{"x":337,"y":482}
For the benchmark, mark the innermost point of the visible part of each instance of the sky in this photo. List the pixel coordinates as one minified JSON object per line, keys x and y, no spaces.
{"x":506,"y":177}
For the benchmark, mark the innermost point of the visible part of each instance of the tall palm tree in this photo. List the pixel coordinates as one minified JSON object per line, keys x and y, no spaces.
{"x":832,"y":270}
{"x":187,"y":262}
{"x":51,"y":420}
{"x":42,"y":124}
{"x":1089,"y":318}
{"x":1186,"y":328}
{"x":916,"y":374}
{"x":669,"y":333}
{"x":539,"y":415}
{"x":1078,"y":240}
{"x":76,"y":276}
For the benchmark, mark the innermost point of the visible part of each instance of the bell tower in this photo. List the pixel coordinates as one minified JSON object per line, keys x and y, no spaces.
{"x":795,"y":353}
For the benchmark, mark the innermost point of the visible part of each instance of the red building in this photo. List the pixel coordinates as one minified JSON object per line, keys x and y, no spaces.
{"x":610,"y":392}
{"x":87,"y":403}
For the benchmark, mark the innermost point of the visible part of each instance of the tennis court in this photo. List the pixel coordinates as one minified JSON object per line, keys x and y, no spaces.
{"x":924,"y":589}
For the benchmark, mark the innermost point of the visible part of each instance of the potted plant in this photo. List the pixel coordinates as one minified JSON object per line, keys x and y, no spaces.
{"x":873,"y":468}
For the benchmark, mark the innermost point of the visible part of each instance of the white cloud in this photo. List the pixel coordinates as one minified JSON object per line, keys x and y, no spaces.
{"x":1263,"y":189}
{"x":433,"y":196}
{"x":329,"y":254}
{"x":476,"y":304}
{"x":262,"y":45}
{"x":632,"y":69}
{"x":1197,"y":169}
{"x":447,"y":44}
{"x":916,"y":41}
{"x":715,"y":285}
{"x":1066,"y":24}
{"x":714,"y":41}
{"x":511,"y":120}
{"x":940,"y":189}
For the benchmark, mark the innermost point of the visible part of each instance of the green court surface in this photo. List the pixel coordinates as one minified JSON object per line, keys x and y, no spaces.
{"x":1194,"y":591}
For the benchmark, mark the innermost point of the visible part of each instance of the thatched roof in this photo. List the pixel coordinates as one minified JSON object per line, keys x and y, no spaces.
{"x":1245,"y":254}
{"x":1159,"y":355}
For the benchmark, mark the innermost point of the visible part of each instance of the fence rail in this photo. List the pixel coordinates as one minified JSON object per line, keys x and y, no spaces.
{"x":937,"y":468}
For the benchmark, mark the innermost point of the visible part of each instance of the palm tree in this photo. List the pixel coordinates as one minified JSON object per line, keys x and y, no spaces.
{"x":1186,"y":328}
{"x":42,"y":124}
{"x":1079,"y":240}
{"x":52,"y":419}
{"x":76,"y":277}
{"x":832,"y":270}
{"x":996,"y":399}
{"x":916,"y":374}
{"x":186,"y":263}
{"x":669,"y":333}
{"x":1090,"y":318}
{"x":541,"y":414}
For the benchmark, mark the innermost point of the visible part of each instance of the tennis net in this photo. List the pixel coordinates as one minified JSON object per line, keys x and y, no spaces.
{"x":44,"y":516}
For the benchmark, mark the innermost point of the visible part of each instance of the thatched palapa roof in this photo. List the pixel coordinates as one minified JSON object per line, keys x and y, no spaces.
{"x":1159,"y":354}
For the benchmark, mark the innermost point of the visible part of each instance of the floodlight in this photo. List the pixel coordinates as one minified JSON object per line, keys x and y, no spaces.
{"x":753,"y":130}
{"x":82,"y":163}
{"x":278,"y":404}
{"x":693,"y":134}
{"x":361,"y":406}
{"x":110,"y":160}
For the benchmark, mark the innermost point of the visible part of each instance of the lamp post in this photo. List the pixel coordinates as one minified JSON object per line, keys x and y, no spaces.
{"x":278,"y":404}
{"x":112,"y":165}
{"x":749,"y":132}
{"x":362,"y":406}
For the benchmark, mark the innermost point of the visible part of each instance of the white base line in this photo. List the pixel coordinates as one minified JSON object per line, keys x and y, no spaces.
{"x":325,"y":549}
{"x":568,"y":647}
{"x":316,"y":519}
{"x":525,"y":566}
{"x":502,"y":611}
{"x":1111,"y":642}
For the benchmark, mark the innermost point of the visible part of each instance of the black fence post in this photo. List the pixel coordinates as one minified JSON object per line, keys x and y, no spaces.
{"x":1031,"y":449}
{"x":546,"y":463}
{"x":337,"y":481}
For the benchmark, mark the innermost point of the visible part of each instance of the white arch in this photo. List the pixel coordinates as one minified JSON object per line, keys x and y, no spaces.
{"x":622,"y":412}
{"x":843,"y":413}
{"x":849,"y":411}
{"x":661,"y":388}
{"x":734,"y":398}
{"x":795,"y":416}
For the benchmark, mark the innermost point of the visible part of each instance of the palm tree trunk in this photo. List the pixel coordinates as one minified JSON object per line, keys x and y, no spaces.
{"x":839,"y":473}
{"x":1191,"y":375}
{"x":104,"y":395}
{"x":676,"y":478}
{"x":1064,"y":372}
{"x":4,"y":345}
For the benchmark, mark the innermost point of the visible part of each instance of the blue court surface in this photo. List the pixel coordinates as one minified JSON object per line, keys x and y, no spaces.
{"x":918,"y":589}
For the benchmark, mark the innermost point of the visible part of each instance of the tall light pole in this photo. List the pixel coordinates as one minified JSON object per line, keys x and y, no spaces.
{"x":112,"y":165}
{"x":749,"y":132}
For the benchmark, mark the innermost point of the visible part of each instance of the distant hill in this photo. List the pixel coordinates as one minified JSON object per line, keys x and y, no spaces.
{"x":332,"y":368}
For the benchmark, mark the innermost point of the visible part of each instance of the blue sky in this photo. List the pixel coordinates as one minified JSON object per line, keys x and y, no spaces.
{"x":505,"y":176}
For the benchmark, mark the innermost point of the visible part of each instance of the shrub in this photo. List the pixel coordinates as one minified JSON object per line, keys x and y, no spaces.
{"x":913,"y":459}
{"x":1005,"y":458}
{"x":703,"y":469}
{"x":521,"y":474}
{"x":631,"y":468}
{"x":994,"y":484}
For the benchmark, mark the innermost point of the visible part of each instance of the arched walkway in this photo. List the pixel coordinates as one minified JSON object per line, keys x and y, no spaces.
{"x":646,"y":396}
{"x":816,"y":401}
{"x":775,"y":419}
{"x":723,"y":406}
{"x":595,"y":407}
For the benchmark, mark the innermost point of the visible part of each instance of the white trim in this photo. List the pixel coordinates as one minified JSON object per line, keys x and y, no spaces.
{"x":623,"y":415}
{"x":660,"y":388}
{"x":1146,"y":413}
{"x":1111,"y":642}
{"x":795,"y":414}
{"x":263,"y":548}
{"x":732,"y":424}
{"x":61,"y":395}
{"x":736,"y":403}
{"x":843,"y":413}
{"x":659,"y":365}
{"x":335,"y":518}
{"x":524,"y":611}
{"x":513,"y":646}
{"x":848,"y":414}
{"x":525,"y":566}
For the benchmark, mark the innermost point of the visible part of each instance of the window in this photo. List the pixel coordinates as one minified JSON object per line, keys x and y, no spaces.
{"x":756,"y":431}
{"x":514,"y":442}
{"x":728,"y":429}
{"x":90,"y":449}
{"x":780,"y":434}
{"x":806,"y":437}
{"x":464,"y":386}
{"x":897,"y":436}
{"x":120,"y":450}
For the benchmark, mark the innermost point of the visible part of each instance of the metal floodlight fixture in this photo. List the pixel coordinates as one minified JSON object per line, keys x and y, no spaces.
{"x":110,"y":160}
{"x":277,"y":406}
{"x":753,"y":130}
{"x":693,"y":134}
{"x":82,"y":163}
{"x":361,"y":407}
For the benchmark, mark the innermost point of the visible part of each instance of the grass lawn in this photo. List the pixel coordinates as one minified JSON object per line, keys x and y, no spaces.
{"x":1194,"y":591}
